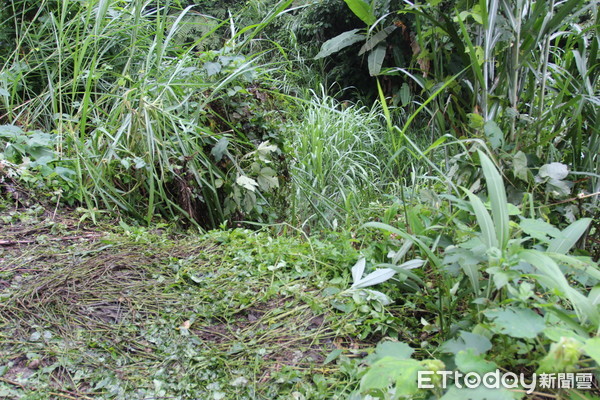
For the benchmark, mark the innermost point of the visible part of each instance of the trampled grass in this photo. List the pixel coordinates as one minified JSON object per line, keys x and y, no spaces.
{"x":140,"y":314}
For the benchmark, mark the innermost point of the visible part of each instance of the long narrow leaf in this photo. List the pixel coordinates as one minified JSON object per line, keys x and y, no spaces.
{"x":486,"y":225}
{"x":497,"y":196}
{"x":358,"y":269}
{"x":374,"y":278}
{"x":376,"y":38}
{"x":570,"y":236}
{"x":554,"y":277}
{"x":375,"y":60}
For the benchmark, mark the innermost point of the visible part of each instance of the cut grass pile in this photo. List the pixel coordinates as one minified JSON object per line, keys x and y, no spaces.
{"x":138,"y":314}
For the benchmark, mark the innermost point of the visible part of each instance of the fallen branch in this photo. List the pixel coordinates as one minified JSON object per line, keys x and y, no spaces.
{"x":13,"y":383}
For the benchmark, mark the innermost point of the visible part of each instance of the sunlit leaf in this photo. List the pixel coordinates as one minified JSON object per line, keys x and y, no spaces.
{"x":362,"y":10}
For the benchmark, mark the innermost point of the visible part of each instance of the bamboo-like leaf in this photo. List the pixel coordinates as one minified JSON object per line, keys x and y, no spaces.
{"x":101,"y":11}
{"x":497,"y":197}
{"x":554,"y":278}
{"x":402,"y":271}
{"x":375,"y":60}
{"x":412,"y":264}
{"x":362,"y":10}
{"x":594,"y":295}
{"x":570,"y":236}
{"x":375,"y":39}
{"x":397,"y":255}
{"x":472,"y":272}
{"x":339,"y":42}
{"x":358,"y":269}
{"x":405,"y":235}
{"x":484,"y":220}
{"x":376,"y":277}
{"x":475,"y":66}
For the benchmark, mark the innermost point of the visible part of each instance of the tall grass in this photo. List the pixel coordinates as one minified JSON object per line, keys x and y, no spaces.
{"x":338,"y":161}
{"x":130,"y":103}
{"x":532,"y":71}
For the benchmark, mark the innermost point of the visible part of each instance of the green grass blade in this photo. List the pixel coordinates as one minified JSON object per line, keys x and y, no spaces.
{"x":486,"y":225}
{"x":497,"y":197}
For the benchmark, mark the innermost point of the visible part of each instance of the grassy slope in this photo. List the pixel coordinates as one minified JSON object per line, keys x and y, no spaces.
{"x":138,"y":314}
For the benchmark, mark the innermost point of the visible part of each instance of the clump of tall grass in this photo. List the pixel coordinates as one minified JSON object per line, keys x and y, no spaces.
{"x":338,"y":160}
{"x":130,"y":102}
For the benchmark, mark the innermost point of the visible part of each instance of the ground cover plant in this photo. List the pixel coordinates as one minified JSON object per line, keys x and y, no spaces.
{"x":305,"y":200}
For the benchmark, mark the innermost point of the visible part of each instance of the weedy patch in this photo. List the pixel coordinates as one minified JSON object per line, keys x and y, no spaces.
{"x":138,"y":314}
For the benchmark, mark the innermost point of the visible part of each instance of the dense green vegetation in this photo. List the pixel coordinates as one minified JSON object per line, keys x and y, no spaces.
{"x":306,"y":200}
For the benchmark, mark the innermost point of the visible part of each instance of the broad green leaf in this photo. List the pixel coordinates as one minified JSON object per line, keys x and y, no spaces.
{"x":265,"y":149}
{"x":375,"y":60}
{"x":267,"y":179}
{"x":375,"y":39}
{"x":517,"y":322}
{"x":475,"y":121}
{"x":555,"y":333}
{"x":246,"y":182}
{"x":592,"y":348}
{"x":484,"y":220}
{"x":339,"y":42}
{"x":358,"y":269}
{"x":362,"y":10}
{"x":497,"y":197}
{"x":374,"y":278}
{"x":390,"y":370}
{"x":538,"y":229}
{"x":393,"y":349}
{"x":405,"y":99}
{"x":470,"y":361}
{"x":467,"y":340}
{"x":477,"y":14}
{"x":406,"y":382}
{"x":212,"y":68}
{"x":219,"y":149}
{"x":494,"y":134}
{"x":570,"y":235}
{"x":10,"y":131}
{"x":519,"y":164}
{"x":558,"y":188}
{"x":554,"y":170}
{"x":65,"y":173}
